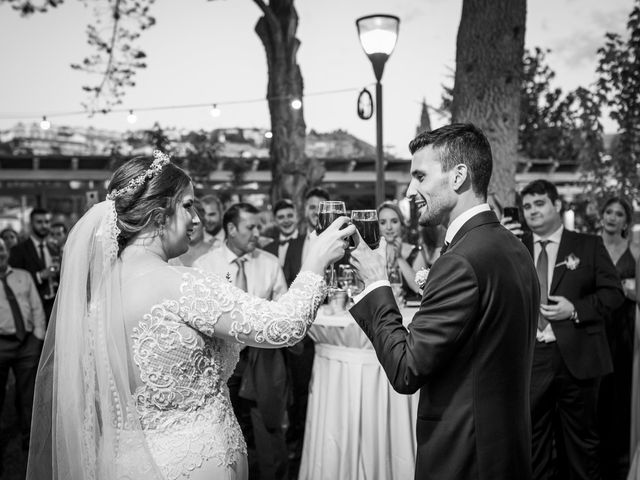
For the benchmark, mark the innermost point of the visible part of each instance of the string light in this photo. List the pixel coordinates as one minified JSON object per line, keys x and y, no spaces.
{"x":131,"y":118}
{"x":268,"y":135}
{"x":215,"y":111}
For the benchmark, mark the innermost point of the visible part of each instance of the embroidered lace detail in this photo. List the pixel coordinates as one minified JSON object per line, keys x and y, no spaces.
{"x":285,"y":322}
{"x":110,"y":237}
{"x":183,"y":401}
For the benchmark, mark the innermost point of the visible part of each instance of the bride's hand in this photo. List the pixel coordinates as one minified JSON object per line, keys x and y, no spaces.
{"x":329,"y":246}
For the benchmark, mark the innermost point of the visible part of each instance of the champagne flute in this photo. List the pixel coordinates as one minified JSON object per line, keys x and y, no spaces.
{"x":328,"y":212}
{"x":395,"y":279}
{"x":366,"y":221}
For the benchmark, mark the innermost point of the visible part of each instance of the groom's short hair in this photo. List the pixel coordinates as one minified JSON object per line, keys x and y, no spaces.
{"x":460,"y":143}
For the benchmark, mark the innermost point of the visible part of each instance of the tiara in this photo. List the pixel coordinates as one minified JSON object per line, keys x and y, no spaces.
{"x":161,"y":159}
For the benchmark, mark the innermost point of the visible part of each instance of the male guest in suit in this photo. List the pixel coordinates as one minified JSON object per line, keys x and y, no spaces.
{"x":289,"y":243}
{"x":579,"y":286}
{"x":312,"y":200}
{"x":22,"y":327}
{"x":469,"y":348}
{"x":288,"y":248}
{"x":261,"y":375}
{"x":35,"y":255}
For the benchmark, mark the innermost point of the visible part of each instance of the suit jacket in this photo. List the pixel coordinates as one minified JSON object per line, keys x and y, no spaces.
{"x":594,"y":288}
{"x":24,"y":255}
{"x":292,"y":259}
{"x":469,"y":349}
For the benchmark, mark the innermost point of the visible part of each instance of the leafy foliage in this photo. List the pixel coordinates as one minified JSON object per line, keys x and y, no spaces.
{"x":618,"y":89}
{"x":118,"y":24}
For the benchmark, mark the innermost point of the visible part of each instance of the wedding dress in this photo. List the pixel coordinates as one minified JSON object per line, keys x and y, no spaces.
{"x":186,"y":348}
{"x":137,"y":386}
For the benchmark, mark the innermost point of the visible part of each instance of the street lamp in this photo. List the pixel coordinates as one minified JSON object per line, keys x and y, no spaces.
{"x":378,"y":35}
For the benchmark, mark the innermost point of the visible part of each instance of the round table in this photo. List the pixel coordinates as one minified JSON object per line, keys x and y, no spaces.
{"x":357,"y":426}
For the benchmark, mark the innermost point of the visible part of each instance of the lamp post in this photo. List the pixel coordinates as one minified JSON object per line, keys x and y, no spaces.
{"x":378,"y":35}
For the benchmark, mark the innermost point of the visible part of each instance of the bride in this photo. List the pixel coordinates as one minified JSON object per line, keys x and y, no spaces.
{"x":132,"y":380}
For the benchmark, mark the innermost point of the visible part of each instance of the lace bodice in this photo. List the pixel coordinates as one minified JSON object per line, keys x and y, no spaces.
{"x":186,"y":348}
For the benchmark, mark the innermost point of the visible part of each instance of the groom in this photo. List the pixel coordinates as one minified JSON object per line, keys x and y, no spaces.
{"x":469,"y":348}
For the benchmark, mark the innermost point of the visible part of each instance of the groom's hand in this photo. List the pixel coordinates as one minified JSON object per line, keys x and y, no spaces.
{"x":370,"y":265}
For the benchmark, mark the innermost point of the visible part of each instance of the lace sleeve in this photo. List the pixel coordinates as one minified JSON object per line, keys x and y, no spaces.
{"x":215,"y":307}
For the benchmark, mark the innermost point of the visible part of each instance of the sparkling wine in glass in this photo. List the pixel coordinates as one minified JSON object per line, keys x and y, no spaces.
{"x":328,"y":212}
{"x":366,"y":221}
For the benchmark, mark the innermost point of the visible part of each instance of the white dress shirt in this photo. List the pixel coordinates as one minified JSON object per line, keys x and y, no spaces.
{"x":454,"y":227}
{"x":282,"y":249}
{"x":29,"y":302}
{"x":262,"y":269}
{"x":552,"y":254}
{"x":216,"y":240}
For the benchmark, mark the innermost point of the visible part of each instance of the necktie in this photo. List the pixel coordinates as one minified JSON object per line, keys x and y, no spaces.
{"x":284,"y":242}
{"x":41,"y":248}
{"x":444,"y":248}
{"x":15,"y":310}
{"x":241,"y":276}
{"x":542,"y":266}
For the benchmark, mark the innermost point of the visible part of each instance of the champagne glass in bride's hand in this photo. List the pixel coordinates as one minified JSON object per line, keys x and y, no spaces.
{"x":328,"y":212}
{"x":366,"y":221}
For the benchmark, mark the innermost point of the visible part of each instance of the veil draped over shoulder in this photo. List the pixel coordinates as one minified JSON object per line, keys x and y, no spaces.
{"x":85,"y":425}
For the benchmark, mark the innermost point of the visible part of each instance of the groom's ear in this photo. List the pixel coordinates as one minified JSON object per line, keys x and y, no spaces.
{"x":460,"y":176}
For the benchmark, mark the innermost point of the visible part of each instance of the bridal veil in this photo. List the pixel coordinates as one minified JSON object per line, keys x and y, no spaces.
{"x":85,"y":425}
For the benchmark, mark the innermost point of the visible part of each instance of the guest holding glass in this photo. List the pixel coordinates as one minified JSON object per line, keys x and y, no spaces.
{"x":614,"y":405}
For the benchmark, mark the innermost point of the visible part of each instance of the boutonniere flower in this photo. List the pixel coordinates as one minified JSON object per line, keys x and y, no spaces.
{"x":421,"y":277}
{"x":570,"y":261}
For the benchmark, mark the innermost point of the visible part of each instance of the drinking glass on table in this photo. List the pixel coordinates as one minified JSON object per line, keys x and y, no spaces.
{"x":328,"y":211}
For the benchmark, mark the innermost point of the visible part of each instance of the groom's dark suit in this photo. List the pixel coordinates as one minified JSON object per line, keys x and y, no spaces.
{"x":469,"y":350}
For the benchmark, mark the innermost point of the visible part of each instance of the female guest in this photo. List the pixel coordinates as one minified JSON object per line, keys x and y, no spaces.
{"x":132,"y":381}
{"x":615,"y":390}
{"x":634,"y":471}
{"x":403,"y":256}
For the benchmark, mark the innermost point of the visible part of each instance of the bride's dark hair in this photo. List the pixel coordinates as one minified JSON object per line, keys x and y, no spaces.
{"x":152,"y":201}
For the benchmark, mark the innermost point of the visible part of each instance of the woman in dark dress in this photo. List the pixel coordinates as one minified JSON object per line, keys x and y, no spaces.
{"x":615,"y":390}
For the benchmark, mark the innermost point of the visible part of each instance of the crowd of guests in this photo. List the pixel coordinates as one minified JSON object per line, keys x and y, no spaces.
{"x":581,"y":391}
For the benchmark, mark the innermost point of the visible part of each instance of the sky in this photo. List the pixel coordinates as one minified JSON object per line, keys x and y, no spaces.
{"x":205,"y":52}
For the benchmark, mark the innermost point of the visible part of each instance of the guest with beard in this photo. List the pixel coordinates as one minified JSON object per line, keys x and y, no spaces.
{"x":469,"y":348}
{"x":37,"y":257}
{"x":213,"y":233}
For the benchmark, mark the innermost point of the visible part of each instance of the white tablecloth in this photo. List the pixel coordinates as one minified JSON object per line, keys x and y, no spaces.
{"x":357,"y":426}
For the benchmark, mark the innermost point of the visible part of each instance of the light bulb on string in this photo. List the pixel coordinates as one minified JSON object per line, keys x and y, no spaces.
{"x":45,"y":124}
{"x":296,"y":104}
{"x":215,"y":111}
{"x":268,"y":135}
{"x":132,"y":118}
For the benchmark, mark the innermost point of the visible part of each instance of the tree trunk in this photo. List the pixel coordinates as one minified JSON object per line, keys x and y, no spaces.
{"x":489,"y":53}
{"x":290,"y":172}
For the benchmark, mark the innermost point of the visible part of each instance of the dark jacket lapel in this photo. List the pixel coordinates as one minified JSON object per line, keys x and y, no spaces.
{"x":475,"y":221}
{"x":564,"y":249}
